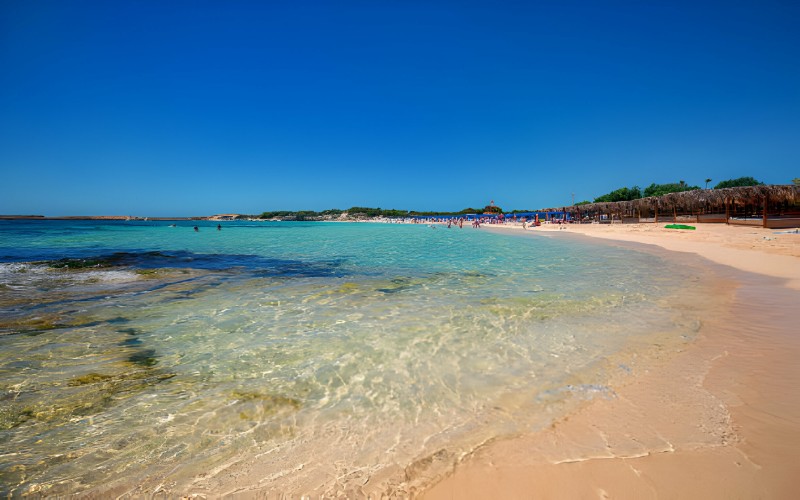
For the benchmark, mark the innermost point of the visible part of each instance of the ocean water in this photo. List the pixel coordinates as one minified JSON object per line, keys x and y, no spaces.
{"x":304,"y":357}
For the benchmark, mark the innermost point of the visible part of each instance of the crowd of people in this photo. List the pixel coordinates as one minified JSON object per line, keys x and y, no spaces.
{"x":476,"y":220}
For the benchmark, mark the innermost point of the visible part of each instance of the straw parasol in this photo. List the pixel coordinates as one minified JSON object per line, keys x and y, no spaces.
{"x":690,"y":200}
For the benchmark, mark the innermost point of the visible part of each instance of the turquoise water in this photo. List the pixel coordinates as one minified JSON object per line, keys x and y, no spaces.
{"x":310,"y":356}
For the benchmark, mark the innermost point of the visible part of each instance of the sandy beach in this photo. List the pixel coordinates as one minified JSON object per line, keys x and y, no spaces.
{"x":769,"y":252}
{"x":664,"y":368}
{"x":718,"y":418}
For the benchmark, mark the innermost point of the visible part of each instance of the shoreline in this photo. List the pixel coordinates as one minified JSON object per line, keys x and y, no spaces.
{"x":99,"y":217}
{"x":757,"y":250}
{"x":718,"y":419}
{"x":713,"y":415}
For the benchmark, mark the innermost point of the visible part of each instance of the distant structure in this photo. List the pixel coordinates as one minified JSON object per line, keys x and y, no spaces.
{"x":225,"y":217}
{"x":492,"y":209}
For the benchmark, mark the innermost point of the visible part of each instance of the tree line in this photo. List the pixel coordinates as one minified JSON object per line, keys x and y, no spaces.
{"x":365,"y":212}
{"x":621,"y":194}
{"x":635,"y":192}
{"x":352,"y":212}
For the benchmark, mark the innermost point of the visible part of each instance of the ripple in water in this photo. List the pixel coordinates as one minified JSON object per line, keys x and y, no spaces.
{"x":326,"y":357}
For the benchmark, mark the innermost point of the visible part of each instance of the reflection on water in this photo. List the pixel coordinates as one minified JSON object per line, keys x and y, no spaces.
{"x":141,"y":369}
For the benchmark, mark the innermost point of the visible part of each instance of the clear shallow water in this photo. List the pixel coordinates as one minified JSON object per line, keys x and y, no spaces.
{"x":323,"y":355}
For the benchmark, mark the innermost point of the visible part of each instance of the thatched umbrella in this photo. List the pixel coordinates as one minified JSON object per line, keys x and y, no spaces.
{"x":690,"y":200}
{"x":745,"y":195}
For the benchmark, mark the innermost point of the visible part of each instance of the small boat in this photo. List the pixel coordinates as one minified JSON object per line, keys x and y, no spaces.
{"x":680,"y":226}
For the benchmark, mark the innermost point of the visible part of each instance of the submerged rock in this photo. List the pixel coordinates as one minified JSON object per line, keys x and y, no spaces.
{"x":79,"y":263}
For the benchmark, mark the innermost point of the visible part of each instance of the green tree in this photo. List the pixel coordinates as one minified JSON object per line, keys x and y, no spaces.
{"x":279,"y":213}
{"x":376,"y":212}
{"x":740,"y":182}
{"x":365,"y":211}
{"x":621,"y":194}
{"x":306,"y":215}
{"x":662,"y":189}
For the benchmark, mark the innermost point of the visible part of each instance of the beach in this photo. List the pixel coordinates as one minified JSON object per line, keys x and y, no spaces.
{"x":403,"y":360}
{"x":716,"y":418}
{"x":283,"y":250}
{"x":769,"y":252}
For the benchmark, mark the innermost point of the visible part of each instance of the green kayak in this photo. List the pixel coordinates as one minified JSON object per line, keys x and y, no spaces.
{"x":679,"y":226}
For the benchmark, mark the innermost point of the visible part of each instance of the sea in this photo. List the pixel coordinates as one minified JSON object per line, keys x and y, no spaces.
{"x":147,"y":357}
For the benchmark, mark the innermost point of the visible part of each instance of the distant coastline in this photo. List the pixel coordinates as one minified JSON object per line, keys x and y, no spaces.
{"x":99,"y":217}
{"x":344,"y":217}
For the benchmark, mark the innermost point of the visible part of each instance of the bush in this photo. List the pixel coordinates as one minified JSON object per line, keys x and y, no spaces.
{"x":621,"y":194}
{"x":741,"y":181}
{"x":662,"y":189}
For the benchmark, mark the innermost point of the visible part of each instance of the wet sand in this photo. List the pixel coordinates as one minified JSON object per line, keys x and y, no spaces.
{"x":770,"y":252}
{"x":719,"y":418}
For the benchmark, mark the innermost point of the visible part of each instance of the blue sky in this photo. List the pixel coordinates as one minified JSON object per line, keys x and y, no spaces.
{"x":196,"y":108}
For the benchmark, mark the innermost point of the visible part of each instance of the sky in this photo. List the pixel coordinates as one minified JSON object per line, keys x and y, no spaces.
{"x":181,"y":108}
